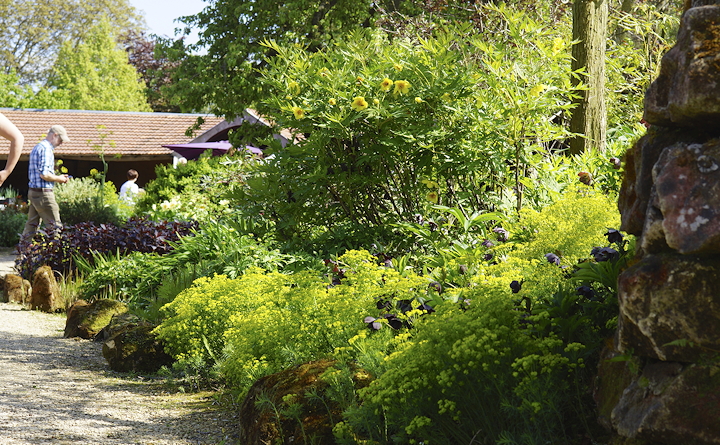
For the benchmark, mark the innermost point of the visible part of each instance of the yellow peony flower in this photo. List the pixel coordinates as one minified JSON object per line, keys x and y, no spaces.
{"x":298,"y":112}
{"x":386,"y":84}
{"x":332,"y":101}
{"x":359,"y":103}
{"x":402,"y":86}
{"x":536,"y":90}
{"x":433,"y":197}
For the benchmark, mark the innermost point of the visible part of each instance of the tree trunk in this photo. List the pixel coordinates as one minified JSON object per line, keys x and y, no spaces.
{"x":589,"y":115}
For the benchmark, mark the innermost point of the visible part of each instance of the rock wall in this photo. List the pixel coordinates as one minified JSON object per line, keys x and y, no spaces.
{"x":660,"y":382}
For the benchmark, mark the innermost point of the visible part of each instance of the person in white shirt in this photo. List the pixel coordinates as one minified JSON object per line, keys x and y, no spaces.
{"x":130,"y":190}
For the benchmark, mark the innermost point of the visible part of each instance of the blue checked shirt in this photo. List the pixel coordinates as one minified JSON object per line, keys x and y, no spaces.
{"x":42,"y":161}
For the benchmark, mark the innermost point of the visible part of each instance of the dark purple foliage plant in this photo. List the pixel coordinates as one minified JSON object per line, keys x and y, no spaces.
{"x":60,"y":246}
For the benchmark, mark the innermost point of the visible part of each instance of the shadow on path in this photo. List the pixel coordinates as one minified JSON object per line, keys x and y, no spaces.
{"x":61,"y":391}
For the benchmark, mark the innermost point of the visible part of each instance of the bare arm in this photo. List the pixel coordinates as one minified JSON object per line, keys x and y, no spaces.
{"x":9,"y":131}
{"x":55,"y":178}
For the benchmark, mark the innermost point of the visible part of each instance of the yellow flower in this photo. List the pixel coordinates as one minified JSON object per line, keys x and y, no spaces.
{"x":386,"y":84}
{"x":294,"y":86}
{"x":359,"y":103}
{"x":376,"y":101}
{"x":93,"y":172}
{"x":402,"y":86}
{"x":430,"y":184}
{"x":558,"y":44}
{"x":536,"y":90}
{"x":360,"y":79}
{"x":432,"y":197}
{"x":298,"y":112}
{"x":419,"y":100}
{"x":332,"y":101}
{"x":397,"y":67}
{"x":324,"y":72}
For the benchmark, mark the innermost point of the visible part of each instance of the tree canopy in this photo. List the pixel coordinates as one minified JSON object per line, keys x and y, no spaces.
{"x":33,"y":31}
{"x":224,"y":78}
{"x":96,"y":75}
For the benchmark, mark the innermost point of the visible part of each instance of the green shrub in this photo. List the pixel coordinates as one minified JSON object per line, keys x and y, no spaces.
{"x":513,"y":364}
{"x":12,"y":222}
{"x":197,"y":190}
{"x":263,"y":322}
{"x":131,"y":278}
{"x":147,"y":280}
{"x":569,"y":228}
{"x":391,"y":126}
{"x":80,"y":200}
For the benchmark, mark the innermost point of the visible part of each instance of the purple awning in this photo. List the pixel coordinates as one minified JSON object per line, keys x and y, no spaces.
{"x":194,"y":150}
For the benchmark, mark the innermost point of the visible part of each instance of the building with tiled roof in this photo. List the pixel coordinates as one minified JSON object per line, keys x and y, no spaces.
{"x":129,"y":140}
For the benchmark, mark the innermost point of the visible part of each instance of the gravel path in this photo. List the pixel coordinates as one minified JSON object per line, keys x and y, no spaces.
{"x":61,"y":391}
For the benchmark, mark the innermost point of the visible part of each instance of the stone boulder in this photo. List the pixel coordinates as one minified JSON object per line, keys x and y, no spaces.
{"x":86,"y":320}
{"x":669,"y":307}
{"x":647,"y":158}
{"x":687,"y":190}
{"x":671,"y":403}
{"x":686,"y":92}
{"x":258,"y":421}
{"x":45,"y":295}
{"x":15,"y":289}
{"x":659,"y":383}
{"x":133,"y":347}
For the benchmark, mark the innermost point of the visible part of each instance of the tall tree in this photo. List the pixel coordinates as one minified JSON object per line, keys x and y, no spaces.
{"x":33,"y":31}
{"x":154,"y":69}
{"x":589,"y":115}
{"x":96,"y":74}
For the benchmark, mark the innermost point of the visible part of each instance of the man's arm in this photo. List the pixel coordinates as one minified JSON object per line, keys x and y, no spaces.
{"x":50,"y":177}
{"x":9,"y":131}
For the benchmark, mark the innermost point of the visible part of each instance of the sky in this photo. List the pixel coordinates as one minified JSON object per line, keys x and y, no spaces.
{"x":160,"y":15}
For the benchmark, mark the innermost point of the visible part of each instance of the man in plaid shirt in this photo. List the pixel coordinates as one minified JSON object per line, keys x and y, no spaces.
{"x":41,"y":172}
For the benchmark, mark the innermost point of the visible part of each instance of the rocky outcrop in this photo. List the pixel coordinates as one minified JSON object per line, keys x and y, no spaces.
{"x":15,"y":289}
{"x":658,"y":383}
{"x":686,"y":92}
{"x":45,"y":294}
{"x":86,"y":320}
{"x":265,"y":415}
{"x":131,"y":346}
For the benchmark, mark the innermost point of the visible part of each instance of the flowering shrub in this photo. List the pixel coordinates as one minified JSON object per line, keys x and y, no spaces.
{"x":263,"y":322}
{"x":506,"y":362}
{"x":569,"y":228}
{"x":197,"y":190}
{"x":378,"y":121}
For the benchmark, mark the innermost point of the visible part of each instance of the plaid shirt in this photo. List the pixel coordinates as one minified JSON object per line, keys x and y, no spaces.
{"x":42,"y":161}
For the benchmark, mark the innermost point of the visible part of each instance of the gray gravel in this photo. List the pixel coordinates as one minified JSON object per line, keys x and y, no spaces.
{"x":60,"y":391}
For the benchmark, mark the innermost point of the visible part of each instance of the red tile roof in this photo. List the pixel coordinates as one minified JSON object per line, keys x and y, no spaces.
{"x":129,"y":134}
